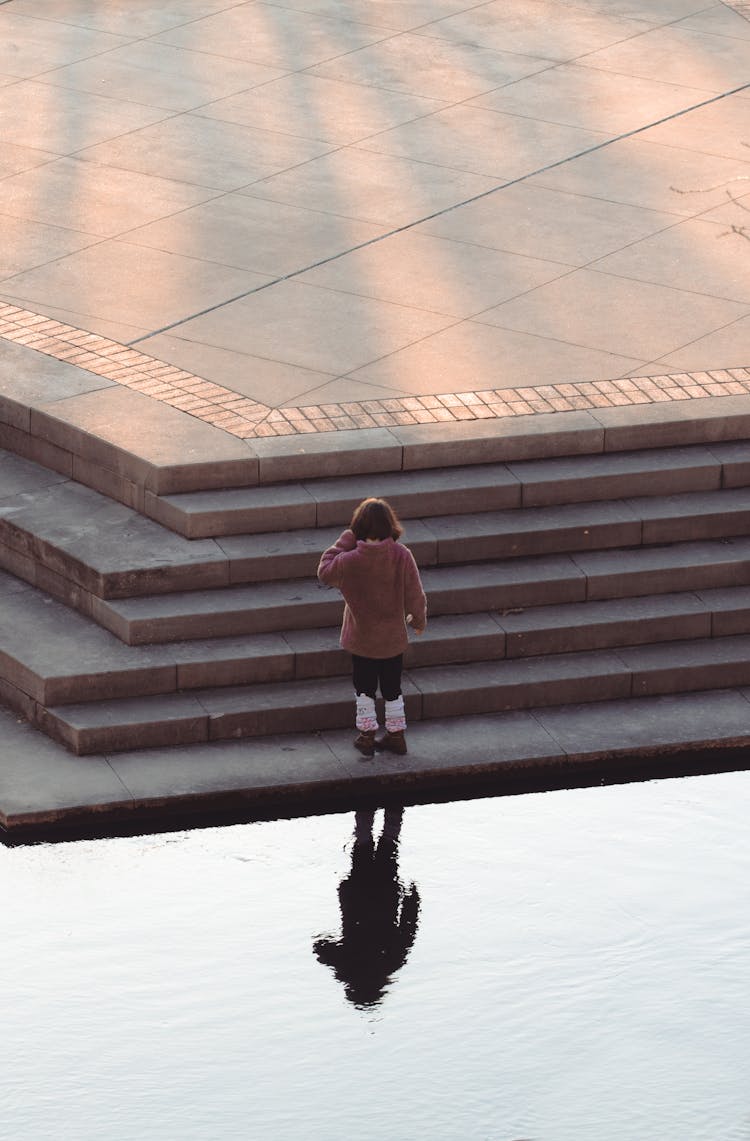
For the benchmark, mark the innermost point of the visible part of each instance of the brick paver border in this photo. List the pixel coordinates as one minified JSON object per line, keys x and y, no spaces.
{"x":240,"y":416}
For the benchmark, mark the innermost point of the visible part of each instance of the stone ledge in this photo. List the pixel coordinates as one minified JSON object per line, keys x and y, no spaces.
{"x":47,"y":793}
{"x":125,"y":422}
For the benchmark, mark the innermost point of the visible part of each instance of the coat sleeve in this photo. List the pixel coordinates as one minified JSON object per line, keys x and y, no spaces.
{"x":329,"y":567}
{"x":414,"y":596}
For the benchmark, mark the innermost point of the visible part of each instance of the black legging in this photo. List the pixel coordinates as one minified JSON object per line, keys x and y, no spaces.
{"x":368,"y":673}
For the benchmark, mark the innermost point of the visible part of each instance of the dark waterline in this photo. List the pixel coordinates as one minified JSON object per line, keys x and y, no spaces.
{"x":572,"y":966}
{"x":232,"y":810}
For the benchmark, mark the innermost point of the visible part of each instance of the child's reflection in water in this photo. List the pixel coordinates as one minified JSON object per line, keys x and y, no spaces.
{"x":379,"y":915}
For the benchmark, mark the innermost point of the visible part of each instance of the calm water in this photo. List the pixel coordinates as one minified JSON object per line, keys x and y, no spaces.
{"x":576,"y":969}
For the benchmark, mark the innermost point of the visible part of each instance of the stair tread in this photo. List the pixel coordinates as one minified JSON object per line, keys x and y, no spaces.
{"x":452,"y":577}
{"x":502,"y":482}
{"x":100,"y":542}
{"x":66,"y":644}
{"x":611,"y":576}
{"x":443,"y":491}
{"x":428,"y":680}
{"x":114,"y":551}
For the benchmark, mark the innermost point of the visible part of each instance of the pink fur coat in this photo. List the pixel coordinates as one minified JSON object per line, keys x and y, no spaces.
{"x":381,"y":585}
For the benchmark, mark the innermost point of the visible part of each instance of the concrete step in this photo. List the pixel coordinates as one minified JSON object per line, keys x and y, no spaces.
{"x":497,"y":586}
{"x":79,"y":545}
{"x":116,"y":439}
{"x":452,"y":491}
{"x":97,"y":545}
{"x":71,"y":659}
{"x":331,"y":502}
{"x":304,"y":604}
{"x":430,"y":693}
{"x":647,"y":521}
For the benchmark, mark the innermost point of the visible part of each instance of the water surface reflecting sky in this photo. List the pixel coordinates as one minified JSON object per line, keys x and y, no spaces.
{"x":567,"y":966}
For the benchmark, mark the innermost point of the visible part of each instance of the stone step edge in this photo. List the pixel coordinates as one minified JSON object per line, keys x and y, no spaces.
{"x":491,"y":636}
{"x":50,"y":564}
{"x":542,"y":580}
{"x":296,"y":774}
{"x":299,"y":506}
{"x":180,"y":719}
{"x":103,"y":452}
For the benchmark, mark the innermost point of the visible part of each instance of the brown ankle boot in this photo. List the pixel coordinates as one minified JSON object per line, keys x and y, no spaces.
{"x":393,"y":742}
{"x":365,"y":742}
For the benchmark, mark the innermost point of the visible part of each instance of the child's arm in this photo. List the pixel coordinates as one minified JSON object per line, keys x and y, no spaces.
{"x":414,"y":596}
{"x":329,"y":567}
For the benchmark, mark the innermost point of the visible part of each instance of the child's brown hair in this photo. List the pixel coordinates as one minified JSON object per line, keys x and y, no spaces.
{"x":375,"y":519}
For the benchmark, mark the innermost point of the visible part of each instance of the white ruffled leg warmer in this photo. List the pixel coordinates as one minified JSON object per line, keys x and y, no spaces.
{"x":395,"y":718}
{"x":366,"y":721}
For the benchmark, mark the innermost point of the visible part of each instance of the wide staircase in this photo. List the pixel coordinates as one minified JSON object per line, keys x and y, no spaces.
{"x":550,"y":582}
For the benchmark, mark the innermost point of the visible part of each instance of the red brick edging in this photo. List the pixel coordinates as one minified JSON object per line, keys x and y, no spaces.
{"x":247,"y":419}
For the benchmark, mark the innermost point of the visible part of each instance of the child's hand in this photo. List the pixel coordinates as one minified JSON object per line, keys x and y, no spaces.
{"x":410,"y":622}
{"x":347,"y":540}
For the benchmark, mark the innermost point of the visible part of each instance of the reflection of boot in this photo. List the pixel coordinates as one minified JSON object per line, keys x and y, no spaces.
{"x":393,"y":743}
{"x":365,"y":742}
{"x":392,"y":823}
{"x":363,"y":822}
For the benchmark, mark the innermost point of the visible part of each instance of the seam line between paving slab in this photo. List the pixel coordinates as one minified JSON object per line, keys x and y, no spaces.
{"x":437,"y":214}
{"x":245,"y":418}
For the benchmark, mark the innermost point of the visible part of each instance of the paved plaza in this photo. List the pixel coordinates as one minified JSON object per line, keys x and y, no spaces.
{"x":318,"y":215}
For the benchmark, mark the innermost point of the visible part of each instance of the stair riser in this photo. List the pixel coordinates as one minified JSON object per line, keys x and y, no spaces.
{"x":673,"y":580}
{"x":309,"y":616}
{"x":189,"y":627}
{"x":217,"y":522}
{"x":106,"y":686}
{"x":116,"y":738}
{"x":507,"y":486}
{"x":505,"y":596}
{"x":496,"y":496}
{"x":339,"y":712}
{"x":727,"y":622}
{"x":508,"y":544}
{"x":24,"y":546}
{"x":607,"y":636}
{"x":694,"y":528}
{"x":706,"y":476}
{"x":528,"y":544}
{"x":721,"y":675}
{"x":331,"y":661}
{"x":525,"y":695}
{"x":274,"y":560}
{"x":314,"y":511}
{"x":144,"y":682}
{"x":282,"y":566}
{"x":17,"y":700}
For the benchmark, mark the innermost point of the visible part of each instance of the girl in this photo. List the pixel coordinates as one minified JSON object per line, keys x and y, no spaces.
{"x":382,"y":590}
